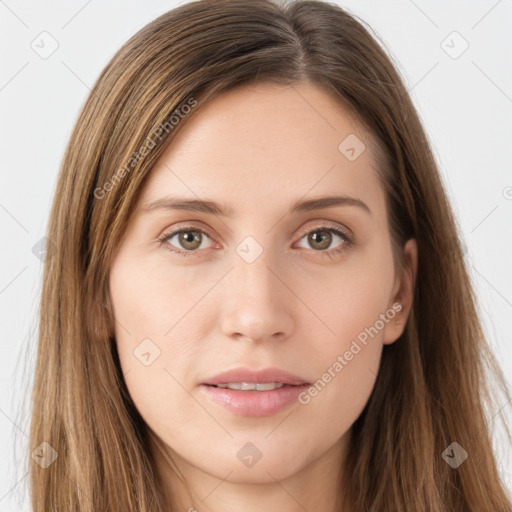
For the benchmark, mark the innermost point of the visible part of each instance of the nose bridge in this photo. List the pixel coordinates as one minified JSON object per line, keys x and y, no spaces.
{"x":253,"y":258}
{"x":254,"y":279}
{"x":256,"y":301}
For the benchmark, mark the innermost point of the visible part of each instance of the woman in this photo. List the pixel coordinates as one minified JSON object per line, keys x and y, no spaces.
{"x":257,"y":297}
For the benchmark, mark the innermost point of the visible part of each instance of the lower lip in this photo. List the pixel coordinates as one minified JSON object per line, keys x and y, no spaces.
{"x":254,"y":403}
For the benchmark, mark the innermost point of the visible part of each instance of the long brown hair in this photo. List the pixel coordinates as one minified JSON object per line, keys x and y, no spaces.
{"x":433,"y":387}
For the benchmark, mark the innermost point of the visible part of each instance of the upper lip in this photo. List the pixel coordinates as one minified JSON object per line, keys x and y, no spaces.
{"x":262,"y":376}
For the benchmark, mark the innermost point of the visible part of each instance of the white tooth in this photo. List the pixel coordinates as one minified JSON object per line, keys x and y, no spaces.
{"x":235,"y":385}
{"x":251,"y":386}
{"x":268,"y":387}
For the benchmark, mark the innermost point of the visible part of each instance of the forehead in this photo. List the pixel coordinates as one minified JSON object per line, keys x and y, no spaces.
{"x":264,"y":142}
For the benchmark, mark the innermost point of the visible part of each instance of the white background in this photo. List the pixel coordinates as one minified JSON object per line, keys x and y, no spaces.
{"x":465,"y":104}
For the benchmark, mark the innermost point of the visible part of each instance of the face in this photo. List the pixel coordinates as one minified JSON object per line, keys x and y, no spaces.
{"x":256,"y":284}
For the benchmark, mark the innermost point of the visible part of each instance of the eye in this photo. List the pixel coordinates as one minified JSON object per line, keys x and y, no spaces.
{"x":321,"y":239}
{"x":189,"y":239}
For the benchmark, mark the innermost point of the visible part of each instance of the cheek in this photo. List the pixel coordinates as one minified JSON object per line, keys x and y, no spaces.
{"x":355,"y":307}
{"x":349,"y":299}
{"x":152,"y":298}
{"x":349,"y":368}
{"x":161,"y":401}
{"x":157,"y":351}
{"x":138,"y":305}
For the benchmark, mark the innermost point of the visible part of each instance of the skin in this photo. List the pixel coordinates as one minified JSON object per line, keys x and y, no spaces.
{"x":257,"y":149}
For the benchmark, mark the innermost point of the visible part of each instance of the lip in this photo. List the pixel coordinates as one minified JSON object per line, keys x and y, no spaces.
{"x":255,"y":403}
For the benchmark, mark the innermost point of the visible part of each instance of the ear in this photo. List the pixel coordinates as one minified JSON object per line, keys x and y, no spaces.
{"x":403,"y":293}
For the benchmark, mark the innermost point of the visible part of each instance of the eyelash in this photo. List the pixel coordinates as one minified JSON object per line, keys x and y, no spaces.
{"x":347,"y":241}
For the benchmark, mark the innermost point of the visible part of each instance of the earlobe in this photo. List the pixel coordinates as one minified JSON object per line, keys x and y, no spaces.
{"x":396,"y":325}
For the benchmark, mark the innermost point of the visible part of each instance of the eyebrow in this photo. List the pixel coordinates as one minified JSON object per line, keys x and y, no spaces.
{"x":213,"y":208}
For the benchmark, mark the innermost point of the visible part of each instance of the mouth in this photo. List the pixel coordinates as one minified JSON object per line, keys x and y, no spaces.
{"x":254,"y":393}
{"x":252,"y":386}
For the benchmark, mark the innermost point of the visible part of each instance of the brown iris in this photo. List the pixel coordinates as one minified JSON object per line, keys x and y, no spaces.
{"x":324,"y":240}
{"x":189,"y":238}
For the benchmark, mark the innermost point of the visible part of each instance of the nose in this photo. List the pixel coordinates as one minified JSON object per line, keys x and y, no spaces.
{"x":257,"y":304}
